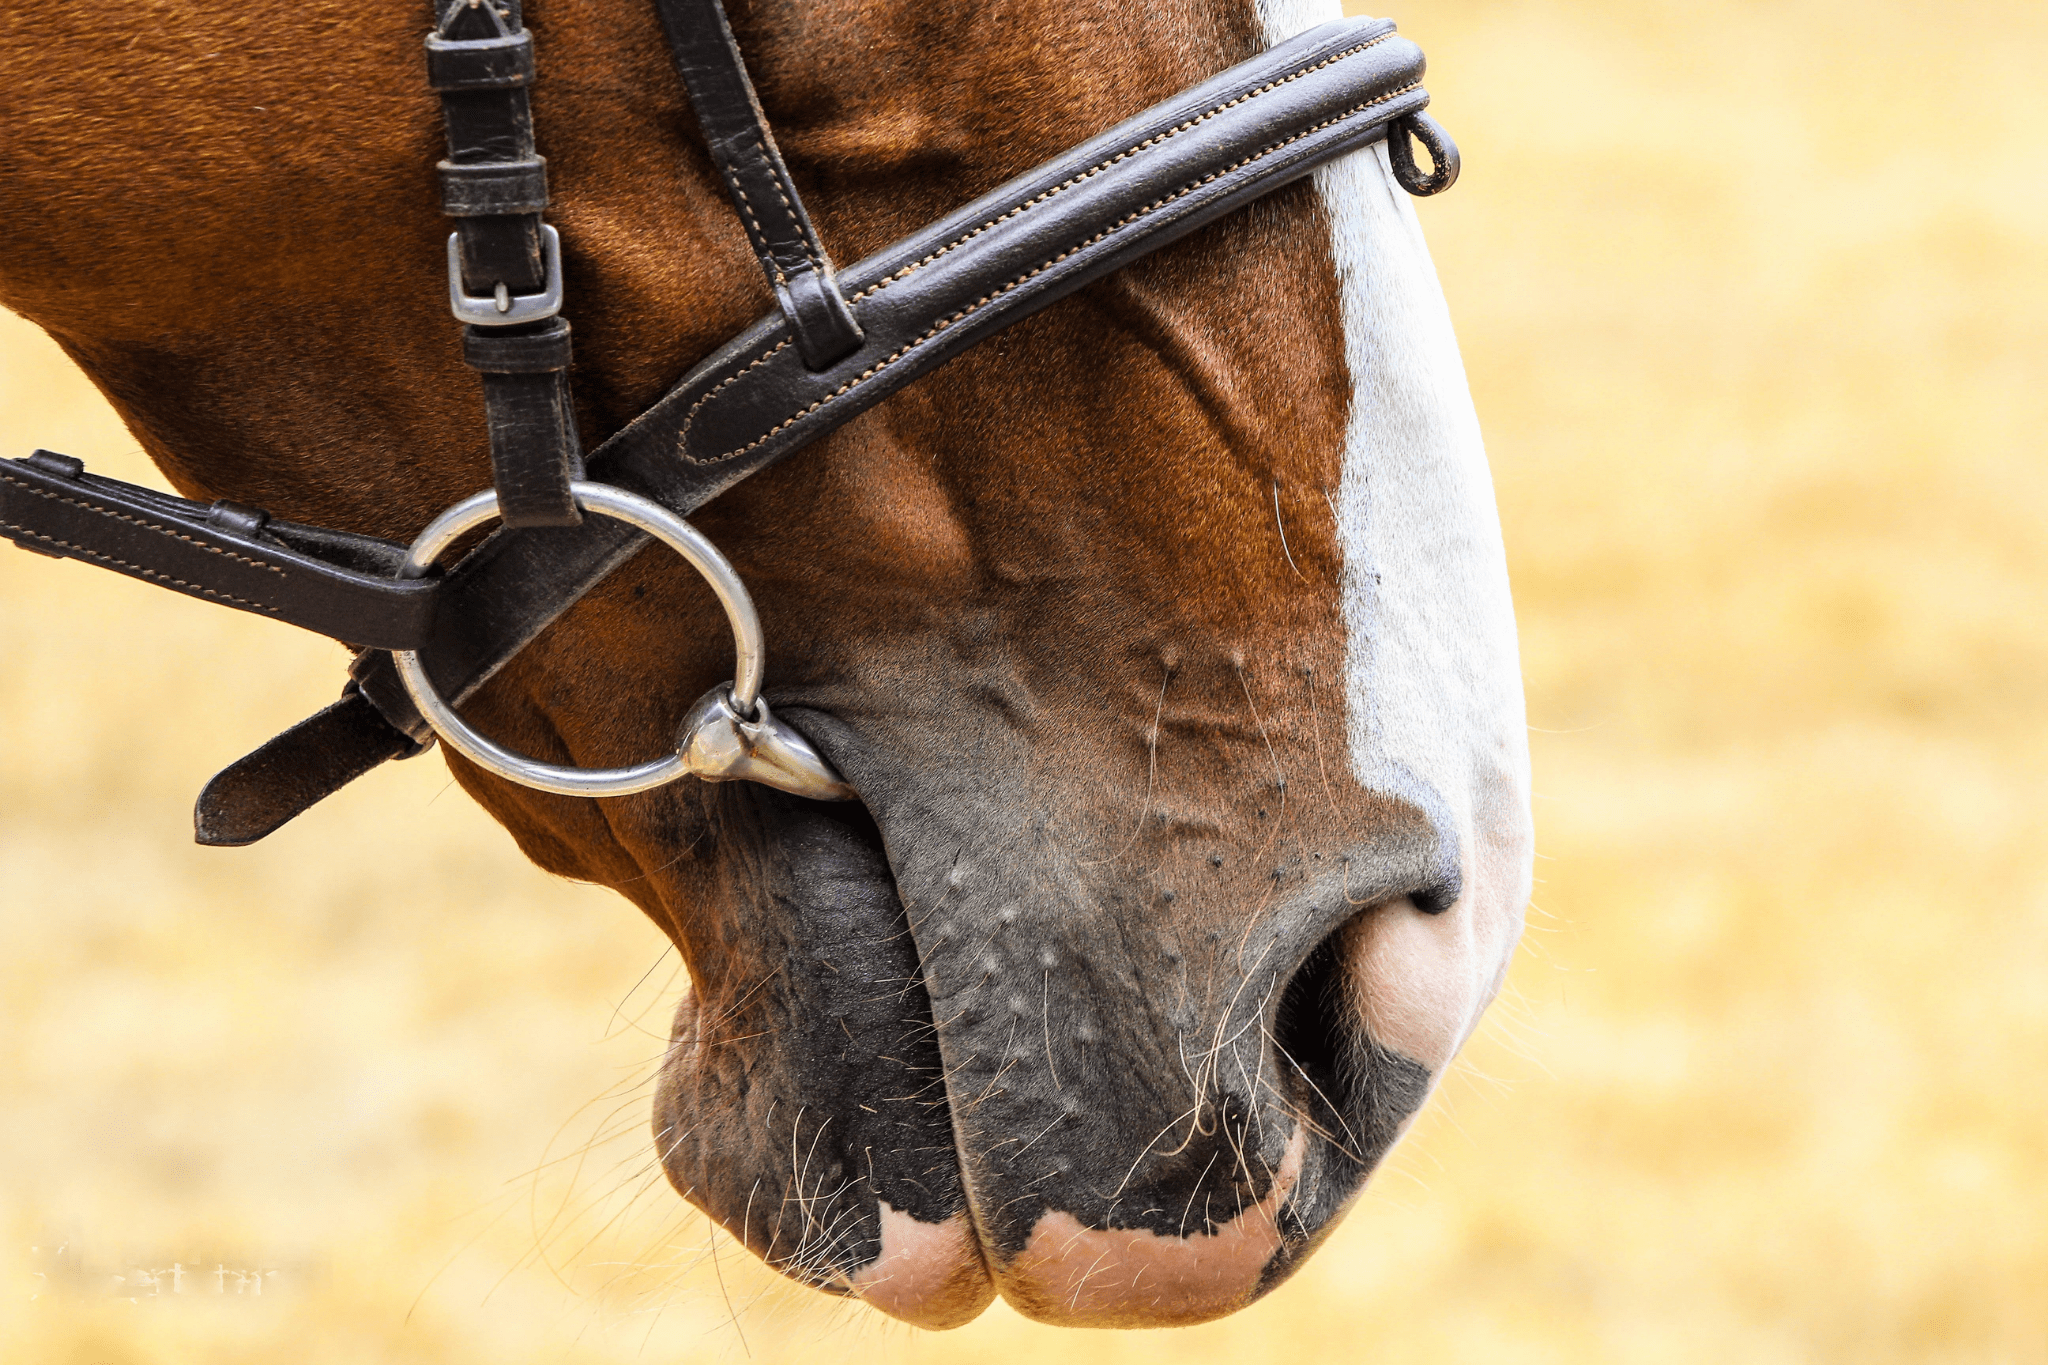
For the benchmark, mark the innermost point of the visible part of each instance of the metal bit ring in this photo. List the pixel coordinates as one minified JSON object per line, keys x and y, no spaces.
{"x":761,"y":749}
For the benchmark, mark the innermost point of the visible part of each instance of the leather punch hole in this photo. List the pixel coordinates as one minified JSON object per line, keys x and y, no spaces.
{"x":1443,"y":155}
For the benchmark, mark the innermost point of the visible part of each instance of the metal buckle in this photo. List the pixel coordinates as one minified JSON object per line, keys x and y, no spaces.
{"x":728,"y":735}
{"x":504,"y":308}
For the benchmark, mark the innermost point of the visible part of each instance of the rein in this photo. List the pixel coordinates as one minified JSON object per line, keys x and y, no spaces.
{"x":837,"y":344}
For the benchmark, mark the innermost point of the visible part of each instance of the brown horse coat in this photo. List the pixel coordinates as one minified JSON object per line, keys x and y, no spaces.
{"x":1164,"y":636}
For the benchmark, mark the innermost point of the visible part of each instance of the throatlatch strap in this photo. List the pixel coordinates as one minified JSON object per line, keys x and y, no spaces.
{"x":729,"y":113}
{"x":507,"y":262}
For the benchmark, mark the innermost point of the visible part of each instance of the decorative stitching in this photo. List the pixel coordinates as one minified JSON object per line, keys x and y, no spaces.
{"x":1155,"y":140}
{"x":682,"y":434}
{"x":760,"y":236}
{"x":145,"y":525}
{"x":762,"y":245}
{"x":138,"y":569}
{"x":784,"y":191}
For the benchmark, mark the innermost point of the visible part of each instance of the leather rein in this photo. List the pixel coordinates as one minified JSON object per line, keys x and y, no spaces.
{"x":837,"y":343}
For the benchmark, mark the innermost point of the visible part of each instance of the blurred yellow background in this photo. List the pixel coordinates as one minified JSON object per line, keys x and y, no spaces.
{"x":1752,"y":296}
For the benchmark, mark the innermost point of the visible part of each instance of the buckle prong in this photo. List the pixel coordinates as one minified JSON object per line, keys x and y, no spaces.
{"x":501,"y":307}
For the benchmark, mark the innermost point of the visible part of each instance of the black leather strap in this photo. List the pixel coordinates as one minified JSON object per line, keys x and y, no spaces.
{"x":253,"y":797}
{"x":1443,"y":155}
{"x":1136,"y":188}
{"x":535,"y":451}
{"x":729,"y":113}
{"x":480,"y":60}
{"x":338,"y":584}
{"x":1143,"y":184}
{"x":495,"y":186}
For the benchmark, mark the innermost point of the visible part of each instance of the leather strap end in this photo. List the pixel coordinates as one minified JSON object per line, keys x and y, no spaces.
{"x":294,"y":772}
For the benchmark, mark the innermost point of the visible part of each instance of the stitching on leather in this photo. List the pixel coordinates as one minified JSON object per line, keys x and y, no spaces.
{"x":796,"y":229}
{"x":754,"y":364}
{"x":783,"y":192}
{"x":761,"y":243}
{"x":145,"y":525}
{"x":682,"y":435}
{"x":138,"y":569}
{"x":1155,"y":140}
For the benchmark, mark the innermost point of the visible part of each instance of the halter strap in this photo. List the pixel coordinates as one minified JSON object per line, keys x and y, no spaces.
{"x":751,"y":168}
{"x":824,"y":356}
{"x":504,"y":262}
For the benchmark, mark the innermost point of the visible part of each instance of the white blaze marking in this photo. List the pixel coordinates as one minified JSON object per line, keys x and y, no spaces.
{"x":1433,"y":676}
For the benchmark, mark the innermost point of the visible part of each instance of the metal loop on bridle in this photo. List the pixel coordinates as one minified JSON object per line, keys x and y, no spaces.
{"x":1262,"y":124}
{"x":1443,"y":154}
{"x":729,"y":734}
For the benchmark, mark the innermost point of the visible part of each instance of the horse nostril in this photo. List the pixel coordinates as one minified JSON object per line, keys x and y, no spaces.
{"x":1310,"y":1030}
{"x":1357,"y":1089}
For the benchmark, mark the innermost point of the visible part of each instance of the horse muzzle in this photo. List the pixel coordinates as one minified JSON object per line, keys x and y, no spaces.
{"x":1092,"y":1097}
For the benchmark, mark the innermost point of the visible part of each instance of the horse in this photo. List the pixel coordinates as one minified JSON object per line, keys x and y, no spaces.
{"x":1165,"y":639}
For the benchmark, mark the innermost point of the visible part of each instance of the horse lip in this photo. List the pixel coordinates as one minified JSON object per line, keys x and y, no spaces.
{"x":931,"y":1275}
{"x":1078,"y":1276}
{"x":896,"y":1229}
{"x":827,"y":732}
{"x":1412,"y":859}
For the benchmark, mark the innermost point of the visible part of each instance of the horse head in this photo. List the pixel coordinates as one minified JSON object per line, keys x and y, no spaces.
{"x":1165,"y":638}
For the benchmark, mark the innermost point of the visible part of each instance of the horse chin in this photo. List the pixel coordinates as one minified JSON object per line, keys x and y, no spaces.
{"x":1068,"y":1154}
{"x":1097,"y":1156}
{"x":801,"y":1103}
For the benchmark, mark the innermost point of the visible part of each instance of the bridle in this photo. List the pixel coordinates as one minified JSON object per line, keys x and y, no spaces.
{"x":837,"y":344}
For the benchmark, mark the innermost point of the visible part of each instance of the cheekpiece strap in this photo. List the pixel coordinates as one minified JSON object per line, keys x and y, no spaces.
{"x":339,"y":584}
{"x":806,"y":289}
{"x":504,"y":262}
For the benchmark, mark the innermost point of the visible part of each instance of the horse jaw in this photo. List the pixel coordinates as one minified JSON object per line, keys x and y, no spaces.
{"x":989,"y":640}
{"x":1119,"y":1149}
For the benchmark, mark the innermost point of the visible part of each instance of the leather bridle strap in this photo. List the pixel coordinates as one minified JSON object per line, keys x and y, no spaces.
{"x":338,"y":584}
{"x":1145,"y":183}
{"x":729,"y":114}
{"x":505,"y":266}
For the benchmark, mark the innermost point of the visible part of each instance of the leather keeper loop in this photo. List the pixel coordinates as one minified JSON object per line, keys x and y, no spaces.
{"x":63,"y":466}
{"x":247,"y":522}
{"x":1443,"y":155}
{"x":494,"y":188}
{"x":492,"y":351}
{"x":480,"y":63}
{"x":825,"y":329}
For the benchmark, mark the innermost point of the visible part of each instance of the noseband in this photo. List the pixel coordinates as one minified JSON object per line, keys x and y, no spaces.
{"x":837,"y":344}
